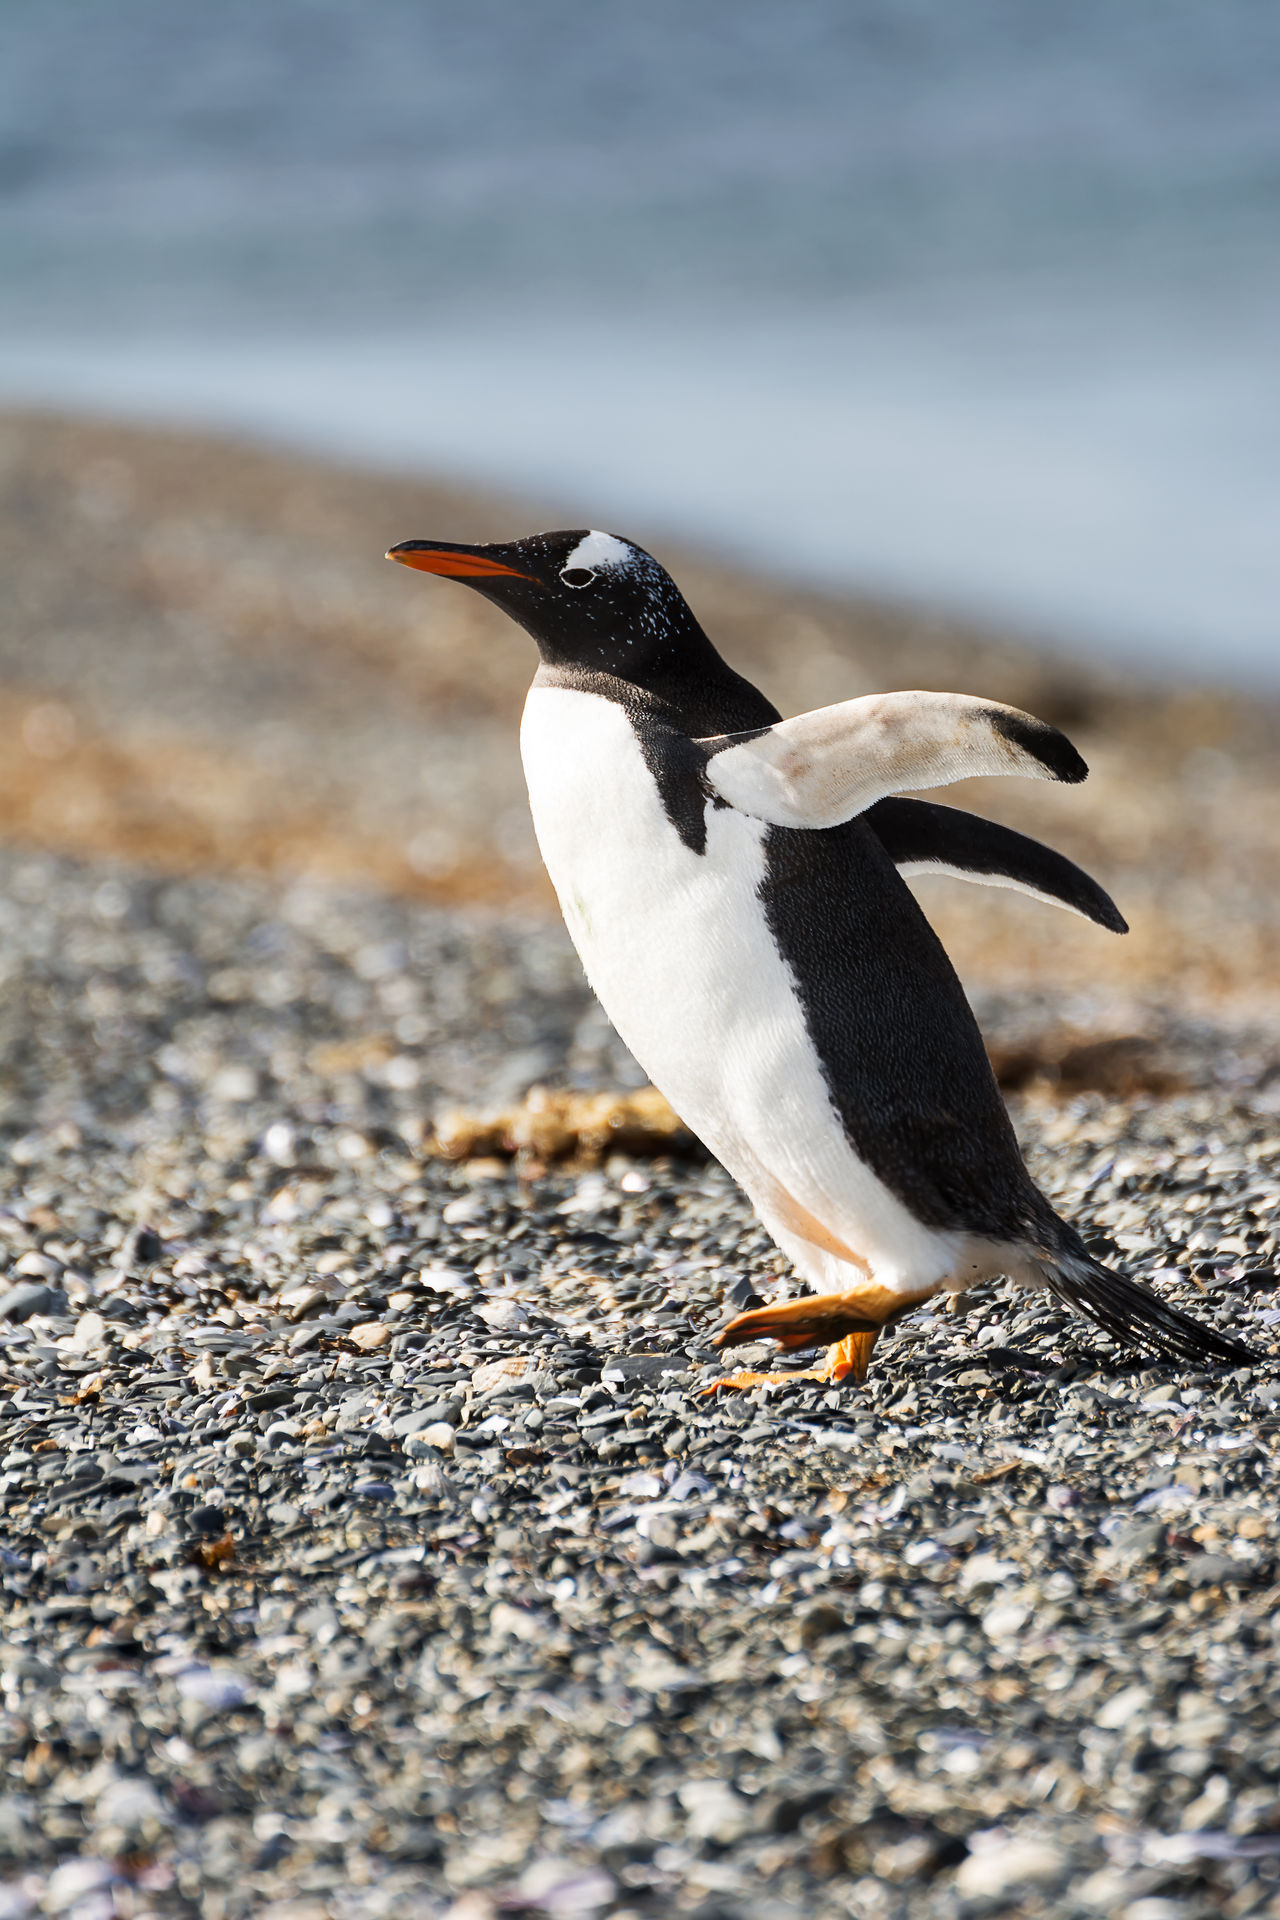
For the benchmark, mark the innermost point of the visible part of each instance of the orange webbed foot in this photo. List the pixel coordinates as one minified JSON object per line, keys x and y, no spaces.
{"x":744,"y":1382}
{"x":843,"y":1360}
{"x":850,"y":1356}
{"x":850,"y":1322}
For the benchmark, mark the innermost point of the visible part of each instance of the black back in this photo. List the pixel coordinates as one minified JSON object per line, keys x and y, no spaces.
{"x":900,"y":1049}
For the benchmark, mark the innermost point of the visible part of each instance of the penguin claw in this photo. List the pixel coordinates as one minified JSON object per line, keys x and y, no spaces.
{"x":852,"y":1355}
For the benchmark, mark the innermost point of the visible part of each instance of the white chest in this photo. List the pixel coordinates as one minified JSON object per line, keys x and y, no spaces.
{"x":674,"y":941}
{"x":677,"y":947}
{"x":653,"y":921}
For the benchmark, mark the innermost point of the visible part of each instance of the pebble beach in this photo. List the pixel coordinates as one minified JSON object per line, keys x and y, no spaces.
{"x":369,"y":1546}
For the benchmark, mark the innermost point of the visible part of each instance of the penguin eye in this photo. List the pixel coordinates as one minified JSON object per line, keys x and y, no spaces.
{"x":577,"y":576}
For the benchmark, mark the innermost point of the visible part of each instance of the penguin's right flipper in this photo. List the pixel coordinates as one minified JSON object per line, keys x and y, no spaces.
{"x":1136,"y":1317}
{"x":921,"y":837}
{"x":819,"y":769}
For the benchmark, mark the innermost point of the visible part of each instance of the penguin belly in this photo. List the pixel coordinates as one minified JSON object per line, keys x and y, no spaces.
{"x":677,"y":948}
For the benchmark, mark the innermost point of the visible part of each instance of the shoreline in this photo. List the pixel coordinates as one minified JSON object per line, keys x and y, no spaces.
{"x":208,"y":667}
{"x":853,"y":451}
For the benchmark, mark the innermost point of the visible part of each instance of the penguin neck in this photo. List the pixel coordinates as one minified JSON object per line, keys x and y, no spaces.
{"x":689,"y":688}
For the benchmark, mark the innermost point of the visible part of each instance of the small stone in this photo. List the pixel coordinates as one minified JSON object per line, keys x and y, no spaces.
{"x":279,"y":1143}
{"x":142,"y":1248}
{"x":369,"y":1336}
{"x":218,"y":1688}
{"x":1122,"y":1707}
{"x":1005,"y":1619}
{"x":495,"y":1374}
{"x":504,"y":1316}
{"x":131,"y":1804}
{"x":986,"y":1570}
{"x":461,"y":1212}
{"x":714,"y":1811}
{"x":37,"y":1266}
{"x":819,"y":1622}
{"x":658,"y":1673}
{"x":77,"y":1881}
{"x":997,"y":1865}
{"x":742,"y":1296}
{"x":235,"y":1085}
{"x":406,"y":1424}
{"x":91,"y":1332}
{"x":566,"y":1890}
{"x":33,"y":1296}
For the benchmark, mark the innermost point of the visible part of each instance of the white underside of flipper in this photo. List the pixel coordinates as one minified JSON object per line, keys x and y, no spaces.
{"x":940,"y":869}
{"x":676,"y":946}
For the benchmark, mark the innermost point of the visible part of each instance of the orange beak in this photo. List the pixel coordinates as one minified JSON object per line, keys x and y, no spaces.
{"x":456,"y":563}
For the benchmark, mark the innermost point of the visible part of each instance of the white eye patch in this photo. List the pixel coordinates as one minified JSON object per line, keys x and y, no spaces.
{"x":596,"y":551}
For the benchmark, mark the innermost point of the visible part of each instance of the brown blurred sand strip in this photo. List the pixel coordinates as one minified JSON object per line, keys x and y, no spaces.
{"x":162,"y":800}
{"x":206,"y":664}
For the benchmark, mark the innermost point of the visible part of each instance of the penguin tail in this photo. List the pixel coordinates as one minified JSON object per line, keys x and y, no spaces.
{"x":1135,"y":1316}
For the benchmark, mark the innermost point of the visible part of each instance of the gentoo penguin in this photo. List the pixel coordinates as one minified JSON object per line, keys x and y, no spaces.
{"x":733,"y":884}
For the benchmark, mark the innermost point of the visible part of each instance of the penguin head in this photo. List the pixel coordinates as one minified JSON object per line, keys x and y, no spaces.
{"x":590,"y":600}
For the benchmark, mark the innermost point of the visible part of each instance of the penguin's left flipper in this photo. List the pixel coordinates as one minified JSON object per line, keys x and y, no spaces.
{"x":819,"y":769}
{"x":922,"y":838}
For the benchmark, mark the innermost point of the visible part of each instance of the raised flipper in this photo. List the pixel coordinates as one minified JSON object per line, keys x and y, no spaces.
{"x":822,"y":768}
{"x":921,"y":837}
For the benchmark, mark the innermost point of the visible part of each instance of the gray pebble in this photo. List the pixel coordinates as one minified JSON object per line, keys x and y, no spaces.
{"x":281,"y":1605}
{"x":30,"y":1297}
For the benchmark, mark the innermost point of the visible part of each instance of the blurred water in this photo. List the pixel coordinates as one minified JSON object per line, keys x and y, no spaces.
{"x":973,"y":303}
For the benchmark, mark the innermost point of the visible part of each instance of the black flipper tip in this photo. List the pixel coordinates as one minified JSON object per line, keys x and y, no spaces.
{"x":1044,"y":743}
{"x":1097,"y":904}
